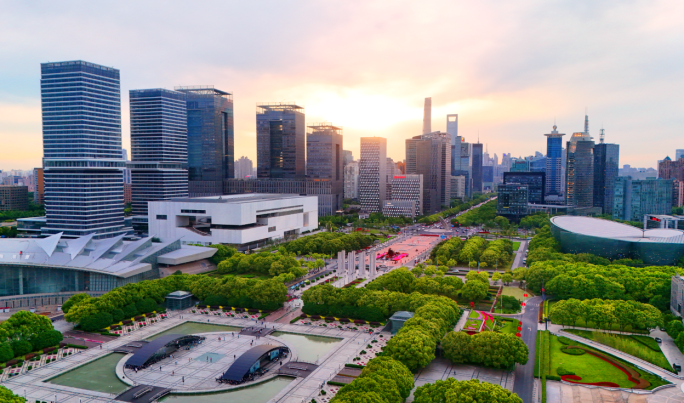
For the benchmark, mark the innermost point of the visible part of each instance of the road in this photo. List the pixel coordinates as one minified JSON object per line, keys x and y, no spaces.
{"x":524,"y":374}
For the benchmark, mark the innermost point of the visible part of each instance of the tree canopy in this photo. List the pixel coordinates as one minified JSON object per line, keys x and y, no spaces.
{"x":383,"y":380}
{"x":470,"y":391}
{"x":605,"y":313}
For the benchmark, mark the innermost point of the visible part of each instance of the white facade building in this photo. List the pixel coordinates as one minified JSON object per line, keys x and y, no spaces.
{"x":351,"y":180}
{"x":244,"y":221}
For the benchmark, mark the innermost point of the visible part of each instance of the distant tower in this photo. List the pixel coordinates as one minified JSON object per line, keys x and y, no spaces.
{"x":554,"y":161}
{"x":586,"y":125}
{"x":603,"y":135}
{"x":427,"y":116}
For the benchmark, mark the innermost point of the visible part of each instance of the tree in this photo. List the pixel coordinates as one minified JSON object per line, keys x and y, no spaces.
{"x":456,"y":347}
{"x":146,"y":305}
{"x":95,"y":322}
{"x":130,"y":311}
{"x":497,"y":350}
{"x":6,"y":352}
{"x":394,"y":370}
{"x":21,"y":347}
{"x":507,"y":278}
{"x":474,"y":290}
{"x":399,"y":280}
{"x":496,"y":277}
{"x":117,"y":315}
{"x":25,"y":325}
{"x":471,"y":391}
{"x":451,"y":263}
{"x":73,"y":300}
{"x":412,"y":347}
{"x":224,"y":252}
{"x":6,"y":396}
{"x":48,"y":339}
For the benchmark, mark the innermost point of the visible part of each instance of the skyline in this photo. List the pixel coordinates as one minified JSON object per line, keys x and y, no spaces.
{"x":508,"y":74}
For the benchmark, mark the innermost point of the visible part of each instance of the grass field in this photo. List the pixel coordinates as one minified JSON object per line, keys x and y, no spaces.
{"x":590,"y":368}
{"x":509,"y":325}
{"x":516,"y":245}
{"x":591,"y":325}
{"x":515,"y":292}
{"x":629,"y":345}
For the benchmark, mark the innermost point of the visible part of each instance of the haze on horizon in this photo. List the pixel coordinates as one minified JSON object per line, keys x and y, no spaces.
{"x":509,"y":69}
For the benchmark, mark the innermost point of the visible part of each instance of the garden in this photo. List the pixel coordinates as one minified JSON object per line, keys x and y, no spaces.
{"x":479,"y":321}
{"x":562,"y":358}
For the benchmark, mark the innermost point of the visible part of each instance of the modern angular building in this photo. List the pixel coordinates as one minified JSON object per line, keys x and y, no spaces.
{"x":159,"y":147}
{"x":458,"y":185}
{"x":606,"y":165}
{"x":635,"y":198}
{"x":512,"y":200}
{"x":351,"y":180}
{"x":372,"y":174}
{"x":477,"y":168}
{"x":430,"y":155}
{"x":579,"y":182}
{"x":281,"y":141}
{"x":82,"y":161}
{"x":534,"y":181}
{"x":554,"y":162}
{"x":211,"y":139}
{"x":404,"y":196}
{"x":324,"y":146}
{"x":520,"y":165}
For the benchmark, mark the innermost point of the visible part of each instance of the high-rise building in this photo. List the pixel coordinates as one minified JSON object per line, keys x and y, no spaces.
{"x":83,"y":168}
{"x":351,"y":180}
{"x":430,"y":155}
{"x":159,"y":148}
{"x":39,"y":185}
{"x":635,"y":198}
{"x":347,"y":156}
{"x":404,"y":196}
{"x":579,"y":182}
{"x":606,"y":166}
{"x":127,"y":171}
{"x":324,"y":145}
{"x":487,"y":177}
{"x":211,"y":139}
{"x":13,"y":197}
{"x":281,"y":141}
{"x":372,"y":174}
{"x":520,"y":165}
{"x":427,"y":116}
{"x":668,"y":169}
{"x":243,"y":168}
{"x":512,"y":200}
{"x":458,"y":187}
{"x":452,"y":128}
{"x":535,"y":182}
{"x":679,"y":154}
{"x":677,"y":193}
{"x":477,"y":168}
{"x":554,"y":162}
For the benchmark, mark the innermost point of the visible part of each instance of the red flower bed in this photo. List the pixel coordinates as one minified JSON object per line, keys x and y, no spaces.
{"x":632,"y":375}
{"x":573,"y":378}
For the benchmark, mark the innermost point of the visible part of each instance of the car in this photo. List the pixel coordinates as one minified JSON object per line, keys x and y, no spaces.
{"x":677,"y":367}
{"x":658,"y":340}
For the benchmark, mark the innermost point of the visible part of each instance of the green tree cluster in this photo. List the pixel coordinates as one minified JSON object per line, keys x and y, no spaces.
{"x":6,"y":396}
{"x":328,"y":242}
{"x":566,"y":280}
{"x":338,"y":220}
{"x":605,"y":313}
{"x":24,"y":332}
{"x":405,"y":281}
{"x":223,"y":253}
{"x":532,"y":221}
{"x":471,"y":391}
{"x":478,"y":216}
{"x":130,"y":298}
{"x":458,"y":207}
{"x":8,"y":232}
{"x":475,"y":249}
{"x":284,"y":267}
{"x":415,"y":343}
{"x":383,"y":380}
{"x":495,"y":350}
{"x":675,"y":329}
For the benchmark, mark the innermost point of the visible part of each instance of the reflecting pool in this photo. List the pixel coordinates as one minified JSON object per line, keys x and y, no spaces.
{"x":309,"y":348}
{"x":260,"y":393}
{"x":194,"y":328}
{"x":98,"y":375}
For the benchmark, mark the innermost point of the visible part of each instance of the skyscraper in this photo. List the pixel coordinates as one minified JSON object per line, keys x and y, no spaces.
{"x":554,"y":162}
{"x":635,"y":198}
{"x":579,"y":182}
{"x":351,"y":180}
{"x":534,"y":181}
{"x":281,"y":141}
{"x":477,"y":168}
{"x":324,"y":146}
{"x":430,"y":155}
{"x":372,"y":173}
{"x":243,"y":167}
{"x":427,"y":116}
{"x":679,"y":154}
{"x":606,"y":166}
{"x":210,"y":139}
{"x":159,"y":147}
{"x":83,"y":168}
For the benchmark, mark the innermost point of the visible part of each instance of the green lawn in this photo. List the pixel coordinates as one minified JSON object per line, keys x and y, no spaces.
{"x":591,"y":325}
{"x":516,"y":245}
{"x":515,"y":292}
{"x":590,"y":368}
{"x":506,"y":325}
{"x":474,"y":314}
{"x":633,"y":345}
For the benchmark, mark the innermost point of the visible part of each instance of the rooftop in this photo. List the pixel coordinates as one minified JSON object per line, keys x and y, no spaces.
{"x":601,"y":228}
{"x":240,"y":198}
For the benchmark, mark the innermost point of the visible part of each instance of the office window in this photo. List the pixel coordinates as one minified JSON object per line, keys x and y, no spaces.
{"x":161,"y":216}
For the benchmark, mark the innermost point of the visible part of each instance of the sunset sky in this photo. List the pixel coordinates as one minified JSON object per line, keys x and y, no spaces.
{"x":508,"y":68}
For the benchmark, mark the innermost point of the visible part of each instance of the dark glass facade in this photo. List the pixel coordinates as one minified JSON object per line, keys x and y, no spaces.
{"x":430,"y":155}
{"x":554,"y":161}
{"x":325,"y":158}
{"x":477,"y":168}
{"x":535,"y":182}
{"x":83,"y":164}
{"x":159,"y":145}
{"x":606,"y":165}
{"x":211,"y":139}
{"x":281,"y":135}
{"x":579,"y":181}
{"x":512,"y":200}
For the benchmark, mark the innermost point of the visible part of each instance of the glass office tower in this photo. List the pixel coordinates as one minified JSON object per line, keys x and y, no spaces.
{"x":477,"y":168}
{"x":373,"y":174}
{"x":280,"y":141}
{"x":83,"y":165}
{"x":211,"y":139}
{"x":606,"y":166}
{"x":554,"y":162}
{"x":579,"y":182}
{"x":325,"y":160}
{"x":159,"y":144}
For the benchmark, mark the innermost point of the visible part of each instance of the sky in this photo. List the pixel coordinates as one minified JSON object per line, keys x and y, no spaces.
{"x":509,"y":69}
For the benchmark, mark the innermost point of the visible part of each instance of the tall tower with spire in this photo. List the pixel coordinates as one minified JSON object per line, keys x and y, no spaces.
{"x":427,"y":116}
{"x":554,"y":160}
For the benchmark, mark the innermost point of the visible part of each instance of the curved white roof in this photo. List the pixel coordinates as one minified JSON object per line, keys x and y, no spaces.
{"x":601,"y":228}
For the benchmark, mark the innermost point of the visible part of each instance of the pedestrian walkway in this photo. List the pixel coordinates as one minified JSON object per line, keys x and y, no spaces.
{"x":462,"y":320}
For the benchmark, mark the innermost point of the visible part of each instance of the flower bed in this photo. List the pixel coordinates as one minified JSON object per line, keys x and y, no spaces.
{"x":355,"y":283}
